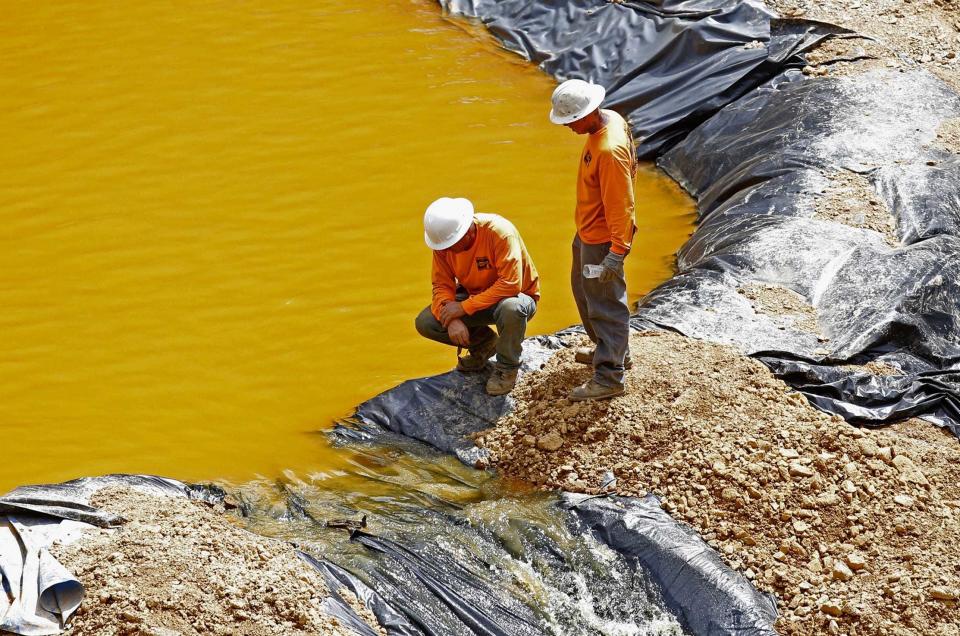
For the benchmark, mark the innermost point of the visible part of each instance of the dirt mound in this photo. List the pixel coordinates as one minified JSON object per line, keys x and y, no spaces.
{"x":856,"y":531}
{"x":924,"y":30}
{"x":779,"y":302}
{"x":180,"y":567}
{"x":850,"y":199}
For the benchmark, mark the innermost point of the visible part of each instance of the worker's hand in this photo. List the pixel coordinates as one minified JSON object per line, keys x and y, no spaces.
{"x":458,"y":333}
{"x":612,"y":265}
{"x":450,"y":311}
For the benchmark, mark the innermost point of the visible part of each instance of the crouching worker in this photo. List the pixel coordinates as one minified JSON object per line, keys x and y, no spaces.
{"x":482,"y":275}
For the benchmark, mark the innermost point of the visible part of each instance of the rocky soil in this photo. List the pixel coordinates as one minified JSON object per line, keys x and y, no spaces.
{"x":181,"y":568}
{"x":924,"y":32}
{"x":948,"y":136}
{"x":856,"y":531}
{"x":779,"y":302}
{"x":850,"y":199}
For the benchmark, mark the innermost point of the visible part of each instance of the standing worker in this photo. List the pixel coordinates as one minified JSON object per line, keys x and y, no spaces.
{"x":605,"y":227}
{"x":482,"y":275}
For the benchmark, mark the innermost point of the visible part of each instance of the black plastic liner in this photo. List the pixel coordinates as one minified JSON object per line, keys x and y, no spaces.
{"x":688,"y":567}
{"x":756,"y":168}
{"x":69,"y":500}
{"x":666,"y":64}
{"x":442,"y":410}
{"x":480,"y":561}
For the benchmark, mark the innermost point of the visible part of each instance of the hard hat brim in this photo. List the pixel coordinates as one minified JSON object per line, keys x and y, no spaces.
{"x":599,"y":92}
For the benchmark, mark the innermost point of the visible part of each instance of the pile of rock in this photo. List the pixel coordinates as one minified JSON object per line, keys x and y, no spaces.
{"x":179,"y":567}
{"x":856,"y":531}
{"x":926,"y":31}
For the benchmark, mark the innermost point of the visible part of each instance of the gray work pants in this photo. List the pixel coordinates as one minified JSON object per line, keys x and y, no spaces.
{"x":604,"y":313}
{"x":510,"y":315}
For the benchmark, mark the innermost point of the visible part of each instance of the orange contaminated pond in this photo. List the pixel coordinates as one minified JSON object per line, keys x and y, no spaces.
{"x":212,"y":242}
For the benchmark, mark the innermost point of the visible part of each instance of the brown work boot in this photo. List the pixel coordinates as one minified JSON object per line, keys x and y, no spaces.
{"x":502,"y":381}
{"x":593,"y":390}
{"x":478,"y":352}
{"x":584,"y":355}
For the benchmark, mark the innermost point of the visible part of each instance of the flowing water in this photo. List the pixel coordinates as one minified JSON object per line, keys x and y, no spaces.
{"x":211,"y":240}
{"x":443,"y":537}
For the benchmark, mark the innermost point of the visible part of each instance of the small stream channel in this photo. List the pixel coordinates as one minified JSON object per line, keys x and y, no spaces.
{"x":447,"y":536}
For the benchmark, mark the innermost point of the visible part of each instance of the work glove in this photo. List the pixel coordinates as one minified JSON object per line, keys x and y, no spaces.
{"x":612,"y":265}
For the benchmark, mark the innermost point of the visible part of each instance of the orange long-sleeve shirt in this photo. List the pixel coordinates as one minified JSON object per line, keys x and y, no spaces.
{"x":608,"y":165}
{"x":496,"y":266}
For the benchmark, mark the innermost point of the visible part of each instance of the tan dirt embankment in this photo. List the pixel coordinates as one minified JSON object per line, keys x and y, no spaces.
{"x":925,"y":31}
{"x":857,"y":531}
{"x":180,"y":567}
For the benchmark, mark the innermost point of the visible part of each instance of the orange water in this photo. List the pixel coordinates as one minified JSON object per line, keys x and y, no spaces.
{"x":211,"y":238}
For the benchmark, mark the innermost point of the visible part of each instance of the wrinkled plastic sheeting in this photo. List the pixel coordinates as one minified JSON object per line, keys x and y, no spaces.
{"x":713,"y":599}
{"x":755,"y":168}
{"x":462,"y":590}
{"x":925,"y":197}
{"x":444,"y":410}
{"x":666,"y":64}
{"x":338,"y":579}
{"x":40,"y":593}
{"x":871,"y":400}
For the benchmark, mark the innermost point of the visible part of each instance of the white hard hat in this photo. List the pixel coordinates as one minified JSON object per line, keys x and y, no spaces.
{"x":575,"y":99}
{"x":446,"y":221}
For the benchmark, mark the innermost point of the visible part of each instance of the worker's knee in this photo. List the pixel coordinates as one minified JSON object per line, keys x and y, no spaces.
{"x":426,"y":324}
{"x":511,"y":311}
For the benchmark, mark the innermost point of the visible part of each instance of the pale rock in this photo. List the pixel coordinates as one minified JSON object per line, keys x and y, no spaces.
{"x":840,"y":571}
{"x":868,"y":447}
{"x":904,"y":500}
{"x":828,"y":499}
{"x":856,"y":561}
{"x":908,"y":470}
{"x":550,"y":442}
{"x":789,"y":453}
{"x":799,"y":470}
{"x":943,"y":593}
{"x":832,"y":607}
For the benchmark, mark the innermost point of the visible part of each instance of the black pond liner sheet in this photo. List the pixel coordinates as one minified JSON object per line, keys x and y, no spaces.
{"x":442,"y":411}
{"x":666,"y":64}
{"x":755,"y":168}
{"x":416,"y":585}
